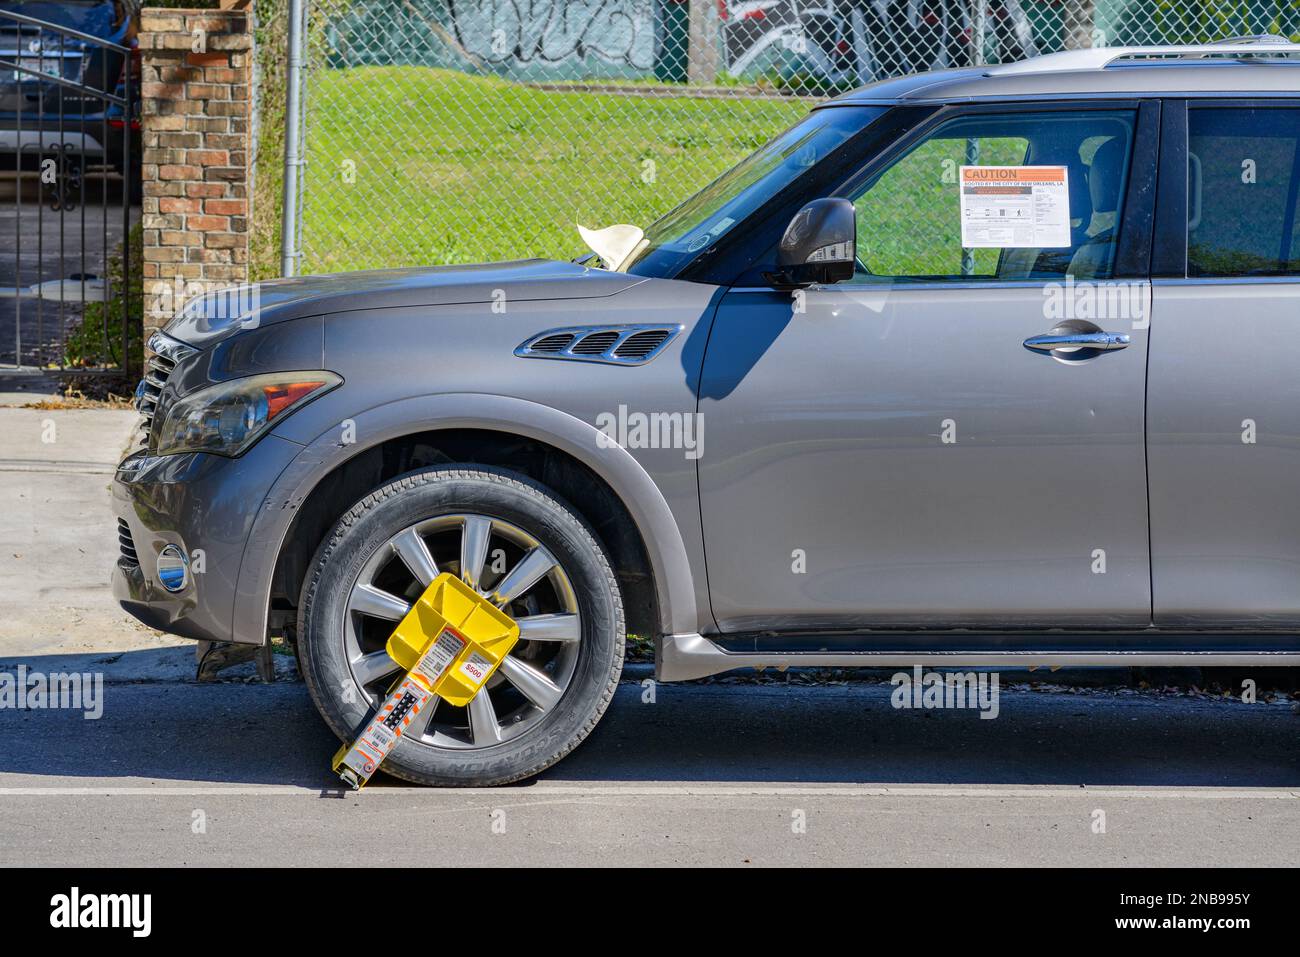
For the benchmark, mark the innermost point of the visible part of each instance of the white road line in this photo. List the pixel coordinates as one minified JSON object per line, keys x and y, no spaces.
{"x":53,"y":466}
{"x":680,"y":790}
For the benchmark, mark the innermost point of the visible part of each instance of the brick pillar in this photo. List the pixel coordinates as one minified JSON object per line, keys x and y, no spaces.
{"x":196,"y":78}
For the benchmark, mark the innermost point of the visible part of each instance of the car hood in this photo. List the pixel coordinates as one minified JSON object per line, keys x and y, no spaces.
{"x":223,"y":313}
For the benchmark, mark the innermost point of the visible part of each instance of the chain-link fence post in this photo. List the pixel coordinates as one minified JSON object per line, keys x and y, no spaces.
{"x":979,"y":25}
{"x":289,"y":224}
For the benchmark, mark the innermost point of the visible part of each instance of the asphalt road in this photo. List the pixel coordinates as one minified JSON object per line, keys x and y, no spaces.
{"x":707,"y":774}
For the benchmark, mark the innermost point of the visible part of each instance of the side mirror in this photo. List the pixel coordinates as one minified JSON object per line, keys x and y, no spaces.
{"x":819,"y":245}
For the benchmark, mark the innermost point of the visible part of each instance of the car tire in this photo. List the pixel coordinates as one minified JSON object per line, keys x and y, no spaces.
{"x":330,"y":637}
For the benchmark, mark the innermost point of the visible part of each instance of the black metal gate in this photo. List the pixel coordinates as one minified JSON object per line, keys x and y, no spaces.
{"x":70,"y":297}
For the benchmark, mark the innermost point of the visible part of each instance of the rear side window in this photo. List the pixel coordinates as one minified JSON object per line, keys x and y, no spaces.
{"x":1243,"y":177}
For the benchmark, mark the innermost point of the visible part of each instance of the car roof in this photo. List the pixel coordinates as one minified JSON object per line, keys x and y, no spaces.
{"x":1113,"y":73}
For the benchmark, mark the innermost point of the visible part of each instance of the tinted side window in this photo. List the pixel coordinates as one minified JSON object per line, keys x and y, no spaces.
{"x":910,"y":216}
{"x":1243,"y":176}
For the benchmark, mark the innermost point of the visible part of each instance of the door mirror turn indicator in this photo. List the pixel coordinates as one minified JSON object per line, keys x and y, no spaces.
{"x":819,"y":245}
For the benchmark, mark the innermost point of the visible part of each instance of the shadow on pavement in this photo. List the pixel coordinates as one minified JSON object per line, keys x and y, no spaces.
{"x":240,"y":734}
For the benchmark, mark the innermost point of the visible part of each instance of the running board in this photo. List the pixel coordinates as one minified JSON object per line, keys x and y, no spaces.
{"x":685,"y":657}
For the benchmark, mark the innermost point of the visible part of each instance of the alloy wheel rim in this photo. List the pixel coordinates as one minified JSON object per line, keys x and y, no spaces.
{"x":516,"y":573}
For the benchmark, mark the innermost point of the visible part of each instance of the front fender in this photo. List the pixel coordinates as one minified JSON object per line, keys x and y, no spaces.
{"x":665,"y":547}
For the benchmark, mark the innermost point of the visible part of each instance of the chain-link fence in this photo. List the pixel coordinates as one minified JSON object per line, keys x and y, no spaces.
{"x":447,"y":131}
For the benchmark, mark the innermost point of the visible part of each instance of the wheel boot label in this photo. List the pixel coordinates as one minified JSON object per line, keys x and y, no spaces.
{"x":438,"y":658}
{"x":359,"y":761}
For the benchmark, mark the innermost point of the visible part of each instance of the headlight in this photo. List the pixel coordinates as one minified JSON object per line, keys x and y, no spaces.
{"x":228,"y":417}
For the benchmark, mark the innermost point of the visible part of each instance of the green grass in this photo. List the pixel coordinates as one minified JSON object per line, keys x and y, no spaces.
{"x":450,"y":168}
{"x":415,"y":165}
{"x":909,"y":223}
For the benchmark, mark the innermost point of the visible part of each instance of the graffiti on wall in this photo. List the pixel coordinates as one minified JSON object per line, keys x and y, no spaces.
{"x":619,"y":32}
{"x":844,"y":40}
{"x":864,"y":40}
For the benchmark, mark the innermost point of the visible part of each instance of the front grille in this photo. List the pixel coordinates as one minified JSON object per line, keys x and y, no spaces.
{"x":164,"y":353}
{"x":126,"y":543}
{"x":151,"y":386}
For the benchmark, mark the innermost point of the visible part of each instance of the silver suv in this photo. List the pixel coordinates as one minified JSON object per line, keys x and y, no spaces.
{"x":994,"y":367}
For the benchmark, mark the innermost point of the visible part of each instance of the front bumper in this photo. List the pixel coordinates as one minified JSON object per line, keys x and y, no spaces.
{"x":205,"y":505}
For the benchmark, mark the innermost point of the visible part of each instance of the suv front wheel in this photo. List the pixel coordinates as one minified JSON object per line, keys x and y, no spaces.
{"x":532,"y":555}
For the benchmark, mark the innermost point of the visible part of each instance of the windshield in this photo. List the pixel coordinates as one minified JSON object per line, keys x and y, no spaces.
{"x":675,"y":238}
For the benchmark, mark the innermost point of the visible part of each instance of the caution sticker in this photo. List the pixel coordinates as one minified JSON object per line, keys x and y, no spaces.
{"x":1015,"y":207}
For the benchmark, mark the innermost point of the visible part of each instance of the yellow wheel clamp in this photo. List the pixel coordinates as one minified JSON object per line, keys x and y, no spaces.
{"x":448,"y":645}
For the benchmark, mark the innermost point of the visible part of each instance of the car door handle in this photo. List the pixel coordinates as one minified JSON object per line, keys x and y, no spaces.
{"x":1101,"y":341}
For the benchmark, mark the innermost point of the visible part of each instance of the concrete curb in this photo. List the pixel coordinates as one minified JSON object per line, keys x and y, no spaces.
{"x":1076,"y":677}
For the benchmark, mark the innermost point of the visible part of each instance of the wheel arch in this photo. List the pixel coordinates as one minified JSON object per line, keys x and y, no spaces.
{"x":607,"y":486}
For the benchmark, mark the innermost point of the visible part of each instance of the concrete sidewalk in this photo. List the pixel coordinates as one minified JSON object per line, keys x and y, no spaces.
{"x":704,"y":775}
{"x":58,"y":543}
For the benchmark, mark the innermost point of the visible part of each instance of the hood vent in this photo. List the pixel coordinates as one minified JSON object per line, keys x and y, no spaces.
{"x":596,"y":344}
{"x":553,"y":343}
{"x":614,"y":345}
{"x":639,"y":345}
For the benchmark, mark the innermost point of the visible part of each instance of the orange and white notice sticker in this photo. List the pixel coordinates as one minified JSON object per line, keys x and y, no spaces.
{"x":1015,"y":207}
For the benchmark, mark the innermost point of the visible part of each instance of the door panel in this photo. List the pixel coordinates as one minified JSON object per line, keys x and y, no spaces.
{"x":889,"y":452}
{"x":1225,"y":498}
{"x":1224,"y":394}
{"x":827,"y":443}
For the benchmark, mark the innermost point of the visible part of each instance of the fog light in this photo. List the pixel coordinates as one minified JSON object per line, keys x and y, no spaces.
{"x":173,"y":568}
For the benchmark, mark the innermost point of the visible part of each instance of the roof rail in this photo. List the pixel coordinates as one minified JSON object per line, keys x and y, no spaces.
{"x":1247,"y":49}
{"x":1255,"y":38}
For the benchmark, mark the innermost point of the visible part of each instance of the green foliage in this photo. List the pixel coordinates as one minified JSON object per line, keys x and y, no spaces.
{"x":1204,"y":21}
{"x":97,"y":339}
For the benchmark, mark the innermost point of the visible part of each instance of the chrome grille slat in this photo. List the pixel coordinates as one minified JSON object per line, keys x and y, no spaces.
{"x":640,"y":344}
{"x":594,"y":344}
{"x":126,"y":543}
{"x":553,"y":343}
{"x":165,"y":352}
